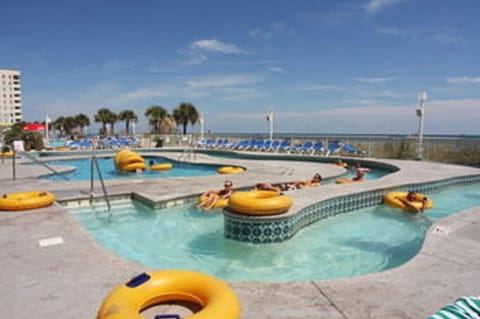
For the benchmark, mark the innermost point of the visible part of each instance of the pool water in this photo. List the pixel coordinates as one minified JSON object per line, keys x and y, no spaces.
{"x":351,"y":244}
{"x":107,"y":167}
{"x":351,"y":173}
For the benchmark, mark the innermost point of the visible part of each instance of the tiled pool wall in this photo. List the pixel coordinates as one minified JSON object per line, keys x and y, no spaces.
{"x":94,"y":201}
{"x":257,"y":231}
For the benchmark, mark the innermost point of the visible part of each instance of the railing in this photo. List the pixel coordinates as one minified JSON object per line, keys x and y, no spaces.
{"x":43,"y":164}
{"x":188,"y":154}
{"x":93,"y":165}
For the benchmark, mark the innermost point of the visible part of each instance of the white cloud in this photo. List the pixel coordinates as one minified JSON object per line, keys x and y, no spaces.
{"x":193,"y":57}
{"x":222,"y":81}
{"x":198,"y":51}
{"x":239,"y":94}
{"x":273,"y":30}
{"x":463,"y":80}
{"x":146,"y":93}
{"x":275,"y":69}
{"x":378,"y":93}
{"x":320,"y":87}
{"x":257,"y":33}
{"x":375,"y":6}
{"x":391,"y":31}
{"x":117,"y":65}
{"x":376,"y":80}
{"x":447,"y":38}
{"x":213,"y":45}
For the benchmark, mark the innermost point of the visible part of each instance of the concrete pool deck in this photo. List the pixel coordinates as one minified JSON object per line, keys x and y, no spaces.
{"x":70,"y":280}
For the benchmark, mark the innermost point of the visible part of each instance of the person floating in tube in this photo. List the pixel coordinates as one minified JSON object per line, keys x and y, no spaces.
{"x":212,"y":197}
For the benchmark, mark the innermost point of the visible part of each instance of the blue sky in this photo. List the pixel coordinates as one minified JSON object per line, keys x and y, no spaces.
{"x":324,"y":66}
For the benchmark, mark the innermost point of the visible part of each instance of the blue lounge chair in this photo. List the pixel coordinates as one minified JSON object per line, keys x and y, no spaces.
{"x":333,"y":147}
{"x":284,"y":146}
{"x":241,"y":145}
{"x":318,"y":148}
{"x":274,"y":146}
{"x":307,"y":147}
{"x":351,"y":149}
{"x":266,"y":145}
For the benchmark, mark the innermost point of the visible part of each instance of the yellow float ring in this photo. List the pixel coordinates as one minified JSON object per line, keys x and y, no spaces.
{"x":343,"y":181}
{"x":392,"y":199}
{"x":259,"y":203}
{"x":133,"y":167}
{"x":230,"y":170}
{"x":129,"y":158}
{"x":7,"y":154}
{"x":221,"y":202}
{"x":121,"y":154}
{"x":161,"y":167}
{"x":26,"y":200}
{"x":344,"y":165}
{"x":126,"y":301}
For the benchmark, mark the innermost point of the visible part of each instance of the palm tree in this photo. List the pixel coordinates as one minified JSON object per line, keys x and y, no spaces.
{"x":155,"y":114}
{"x":69,"y":124}
{"x":59,"y":124}
{"x":82,"y":121}
{"x":105,"y":116}
{"x":185,"y":113}
{"x":127,"y":116}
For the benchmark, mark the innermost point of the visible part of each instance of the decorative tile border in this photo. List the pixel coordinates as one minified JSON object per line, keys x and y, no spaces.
{"x":85,"y":201}
{"x":257,"y":230}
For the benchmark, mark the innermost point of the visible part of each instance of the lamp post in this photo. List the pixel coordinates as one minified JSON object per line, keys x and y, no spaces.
{"x":422,"y":98}
{"x":47,"y":123}
{"x":201,"y":127}
{"x":270,"y":121}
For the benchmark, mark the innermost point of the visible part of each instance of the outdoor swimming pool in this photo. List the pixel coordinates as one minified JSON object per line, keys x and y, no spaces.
{"x":351,"y":244}
{"x":107,"y":167}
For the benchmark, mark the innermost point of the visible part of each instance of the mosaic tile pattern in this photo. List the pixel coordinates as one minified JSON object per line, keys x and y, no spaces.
{"x":255,"y":230}
{"x":82,"y":202}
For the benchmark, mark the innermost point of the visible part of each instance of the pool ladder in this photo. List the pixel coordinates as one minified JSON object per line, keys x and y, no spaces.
{"x":188,"y":155}
{"x":36,"y":160}
{"x":93,"y":165}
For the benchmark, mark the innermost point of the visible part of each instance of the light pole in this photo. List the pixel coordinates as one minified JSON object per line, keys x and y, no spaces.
{"x":422,"y":98}
{"x":47,"y":123}
{"x":201,"y":127}
{"x":270,"y":120}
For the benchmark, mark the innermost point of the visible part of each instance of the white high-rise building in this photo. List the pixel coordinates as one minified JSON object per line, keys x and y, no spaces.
{"x":10,"y":97}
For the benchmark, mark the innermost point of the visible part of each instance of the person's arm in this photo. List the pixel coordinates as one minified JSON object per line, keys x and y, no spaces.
{"x":408,"y":204}
{"x":424,"y":202}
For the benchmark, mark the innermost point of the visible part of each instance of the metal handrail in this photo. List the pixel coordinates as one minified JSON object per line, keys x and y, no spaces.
{"x":36,"y":160}
{"x":188,"y":154}
{"x":93,"y":161}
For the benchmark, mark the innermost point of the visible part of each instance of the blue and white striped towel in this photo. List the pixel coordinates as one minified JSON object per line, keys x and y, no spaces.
{"x":463,"y":308}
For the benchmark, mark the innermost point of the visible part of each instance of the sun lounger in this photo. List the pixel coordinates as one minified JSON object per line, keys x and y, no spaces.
{"x":318,"y":148}
{"x":333,"y":147}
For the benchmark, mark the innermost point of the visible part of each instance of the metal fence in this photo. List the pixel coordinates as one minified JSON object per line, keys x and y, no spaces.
{"x":451,"y":149}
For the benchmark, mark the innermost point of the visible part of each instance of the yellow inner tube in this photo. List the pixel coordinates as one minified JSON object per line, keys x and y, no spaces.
{"x":259,"y":203}
{"x":26,"y":200}
{"x":221,"y":202}
{"x":127,"y":160}
{"x":133,"y":167}
{"x":343,"y":181}
{"x":126,"y":301}
{"x":230,"y":170}
{"x":394,"y":199}
{"x":7,"y":154}
{"x":161,"y":167}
